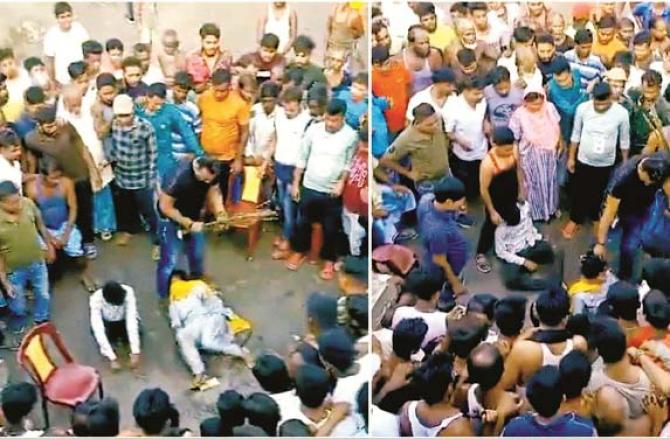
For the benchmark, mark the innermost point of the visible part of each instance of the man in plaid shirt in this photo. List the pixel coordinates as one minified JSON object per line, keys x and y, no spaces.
{"x":133,"y":156}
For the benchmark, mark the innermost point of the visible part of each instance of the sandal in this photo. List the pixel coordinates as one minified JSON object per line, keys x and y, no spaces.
{"x":89,"y":285}
{"x":280,"y":253}
{"x":328,"y":271}
{"x":569,"y":234}
{"x":482,"y":263}
{"x":294,"y":261}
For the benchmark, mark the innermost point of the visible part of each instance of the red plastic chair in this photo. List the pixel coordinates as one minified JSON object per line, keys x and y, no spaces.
{"x":393,"y":258}
{"x":68,"y":384}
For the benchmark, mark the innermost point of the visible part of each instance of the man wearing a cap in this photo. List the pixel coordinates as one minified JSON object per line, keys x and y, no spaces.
{"x":616,"y":78}
{"x":133,"y":157}
{"x":167,"y":121}
{"x":63,"y":144}
{"x":437,"y":95}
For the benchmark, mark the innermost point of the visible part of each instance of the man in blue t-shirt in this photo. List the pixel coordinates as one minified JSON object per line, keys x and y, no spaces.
{"x":445,"y":246}
{"x":544,"y":396}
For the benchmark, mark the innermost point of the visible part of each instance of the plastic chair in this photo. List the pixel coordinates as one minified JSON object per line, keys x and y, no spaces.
{"x":68,"y":384}
{"x":395,"y":259}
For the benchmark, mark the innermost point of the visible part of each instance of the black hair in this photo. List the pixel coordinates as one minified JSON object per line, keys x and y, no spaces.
{"x":466,"y":57}
{"x":32,"y":62}
{"x":105,"y":80}
{"x":460,"y":7}
{"x":575,"y":372}
{"x":272,"y":374}
{"x":509,"y":314}
{"x":152,"y":410}
{"x":9,"y":138}
{"x":18,"y":400}
{"x":583,"y":36}
{"x":541,"y":391}
{"x":141,"y":48}
{"x":483,"y":303}
{"x":62,"y":8}
{"x":422,"y":112}
{"x":89,"y":47}
{"x":312,"y":385}
{"x":6,"y":53}
{"x":294,"y":428}
{"x":336,"y":107}
{"x":656,"y":309}
{"x":7,"y":189}
{"x":76,"y":69}
{"x":34,"y":95}
{"x":433,"y":378}
{"x":303,"y":44}
{"x":336,"y":347}
{"x":656,"y":272}
{"x":209,"y":163}
{"x":361,"y":78}
{"x":262,"y":411}
{"x":211,"y":427}
{"x":221,"y":76}
{"x":423,"y":284}
{"x":552,"y":306}
{"x":592,"y":265}
{"x":642,"y":37}
{"x":602,"y":91}
{"x":131,"y":61}
{"x":379,"y":54}
{"x":229,"y":405}
{"x":424,"y":8}
{"x":656,"y":165}
{"x":114,"y":293}
{"x":408,"y":336}
{"x":270,"y":41}
{"x":114,"y":44}
{"x":292,"y":94}
{"x":269,"y":89}
{"x":157,"y":89}
{"x":485,"y":366}
{"x":103,"y":418}
{"x":511,"y":214}
{"x":624,"y":300}
{"x":503,"y":136}
{"x":49,"y":164}
{"x":500,"y":74}
{"x":473,"y":83}
{"x":46,"y":114}
{"x":477,"y":6}
{"x":610,"y":340}
{"x":449,"y":189}
{"x":465,"y":334}
{"x":183,"y":79}
{"x":544,"y":38}
{"x":79,"y":418}
{"x":523,"y":34}
{"x":652,"y":78}
{"x":208,"y":29}
{"x":322,"y":309}
{"x":607,"y":22}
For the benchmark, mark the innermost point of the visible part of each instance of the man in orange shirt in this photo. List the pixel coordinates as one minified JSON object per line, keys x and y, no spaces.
{"x":392,"y":80}
{"x":605,"y":45}
{"x":225,"y":126}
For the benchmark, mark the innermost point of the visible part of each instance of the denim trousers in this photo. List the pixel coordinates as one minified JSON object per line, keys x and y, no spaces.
{"x":631,"y":241}
{"x":37,"y":276}
{"x":172,"y":243}
{"x":289,"y":207}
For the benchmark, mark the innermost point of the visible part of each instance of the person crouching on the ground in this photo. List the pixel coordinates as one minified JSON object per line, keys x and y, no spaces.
{"x":521,"y":247}
{"x":114,"y":318}
{"x":590,"y":290}
{"x":445,"y":246}
{"x":22,"y":259}
{"x":180,"y":208}
{"x":324,"y":161}
{"x":54,"y":195}
{"x":200,"y":320}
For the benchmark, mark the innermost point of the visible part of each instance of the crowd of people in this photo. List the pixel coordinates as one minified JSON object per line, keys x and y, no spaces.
{"x":102,"y":142}
{"x":536,"y":116}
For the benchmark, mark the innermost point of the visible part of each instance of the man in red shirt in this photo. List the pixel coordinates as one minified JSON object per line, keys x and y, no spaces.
{"x":209,"y":58}
{"x":355,"y":197}
{"x":392,"y":80}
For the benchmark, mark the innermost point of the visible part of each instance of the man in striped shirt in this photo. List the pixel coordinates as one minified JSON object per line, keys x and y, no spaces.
{"x":590,"y":67}
{"x":183,"y":97}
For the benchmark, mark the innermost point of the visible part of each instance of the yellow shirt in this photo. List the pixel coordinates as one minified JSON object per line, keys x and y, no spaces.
{"x":586,"y":286}
{"x":606,"y":52}
{"x":442,"y":37}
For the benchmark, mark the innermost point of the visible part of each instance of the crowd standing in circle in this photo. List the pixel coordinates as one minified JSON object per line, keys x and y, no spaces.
{"x":99,"y":141}
{"x":539,"y":116}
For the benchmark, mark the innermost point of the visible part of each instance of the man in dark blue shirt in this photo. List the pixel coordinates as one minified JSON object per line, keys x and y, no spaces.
{"x":446,"y":248}
{"x":544,"y":395}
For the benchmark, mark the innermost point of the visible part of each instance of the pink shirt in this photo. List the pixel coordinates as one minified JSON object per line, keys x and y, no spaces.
{"x":197,"y":67}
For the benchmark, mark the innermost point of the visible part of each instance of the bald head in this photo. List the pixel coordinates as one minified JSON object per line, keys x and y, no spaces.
{"x":485,"y":365}
{"x":464,"y":25}
{"x":72,"y":97}
{"x":610,"y":411}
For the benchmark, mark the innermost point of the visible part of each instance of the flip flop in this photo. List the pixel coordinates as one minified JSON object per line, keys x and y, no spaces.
{"x":328,"y":272}
{"x":89,"y":287}
{"x":279,"y":254}
{"x":482,"y":264}
{"x":294,"y":261}
{"x":567,"y":235}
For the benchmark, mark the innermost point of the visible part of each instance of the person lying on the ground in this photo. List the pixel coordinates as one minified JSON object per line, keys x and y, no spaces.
{"x":520,"y":245}
{"x":201,"y":321}
{"x":114,"y":318}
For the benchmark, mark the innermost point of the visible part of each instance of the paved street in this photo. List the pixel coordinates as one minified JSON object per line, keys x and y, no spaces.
{"x":262,"y":291}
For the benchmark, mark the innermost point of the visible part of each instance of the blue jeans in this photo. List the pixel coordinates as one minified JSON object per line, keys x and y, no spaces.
{"x":37,"y":276}
{"x":631,"y":242}
{"x":171,"y":245}
{"x":289,"y":207}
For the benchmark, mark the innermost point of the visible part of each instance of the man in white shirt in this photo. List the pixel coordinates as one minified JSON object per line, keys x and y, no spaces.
{"x":62,"y":43}
{"x":271,"y":372}
{"x":522,"y":249}
{"x":10,"y":158}
{"x":464,"y":124}
{"x":260,"y":146}
{"x":114,"y":319}
{"x":437,"y":95}
{"x":151,"y":73}
{"x":491,"y":32}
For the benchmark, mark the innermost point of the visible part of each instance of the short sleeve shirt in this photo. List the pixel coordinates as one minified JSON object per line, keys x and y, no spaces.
{"x":19,"y":241}
{"x":626,"y":185}
{"x":189,"y":192}
{"x":427,"y":152}
{"x":221,"y":123}
{"x":65,"y":48}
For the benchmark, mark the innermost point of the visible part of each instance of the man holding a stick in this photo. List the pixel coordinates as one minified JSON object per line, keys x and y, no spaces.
{"x":181,"y":208}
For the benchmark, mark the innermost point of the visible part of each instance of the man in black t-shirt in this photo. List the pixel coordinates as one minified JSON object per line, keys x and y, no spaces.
{"x":181,"y":209}
{"x":629,"y":195}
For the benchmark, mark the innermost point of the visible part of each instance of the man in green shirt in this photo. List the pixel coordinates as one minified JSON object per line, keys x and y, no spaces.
{"x":23,"y":240}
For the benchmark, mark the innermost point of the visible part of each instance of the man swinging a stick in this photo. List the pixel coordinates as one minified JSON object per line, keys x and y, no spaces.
{"x":181,"y":208}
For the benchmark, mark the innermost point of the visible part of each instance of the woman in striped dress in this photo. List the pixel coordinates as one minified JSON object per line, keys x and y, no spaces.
{"x":536,"y":129}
